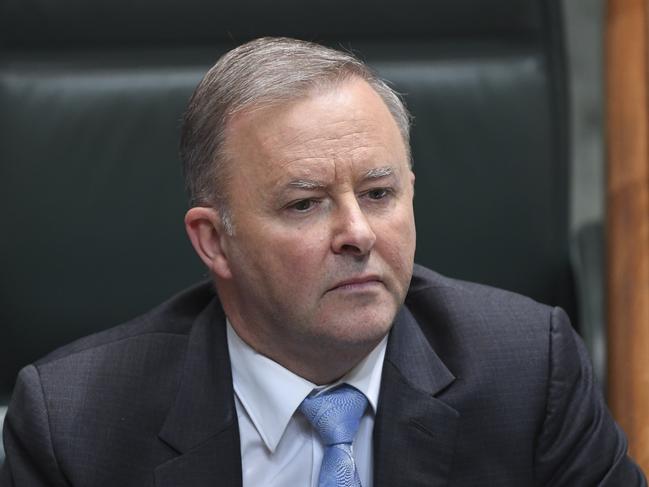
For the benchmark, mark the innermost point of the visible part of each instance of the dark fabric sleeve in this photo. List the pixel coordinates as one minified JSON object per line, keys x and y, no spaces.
{"x":579,"y":444}
{"x":30,"y":459}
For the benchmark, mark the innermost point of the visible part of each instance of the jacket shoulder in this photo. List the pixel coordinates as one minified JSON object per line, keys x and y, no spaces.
{"x":479,"y":330}
{"x":174,"y":316}
{"x":430,"y":287}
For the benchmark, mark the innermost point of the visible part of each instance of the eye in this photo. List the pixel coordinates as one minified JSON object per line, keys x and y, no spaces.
{"x":378,"y":193}
{"x":302,"y":205}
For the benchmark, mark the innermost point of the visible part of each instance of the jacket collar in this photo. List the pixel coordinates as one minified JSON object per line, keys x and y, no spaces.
{"x":202,"y":423}
{"x":414,"y":432}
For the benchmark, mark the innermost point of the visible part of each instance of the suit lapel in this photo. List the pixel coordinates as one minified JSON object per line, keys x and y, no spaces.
{"x":202,"y":423}
{"x":414,"y":432}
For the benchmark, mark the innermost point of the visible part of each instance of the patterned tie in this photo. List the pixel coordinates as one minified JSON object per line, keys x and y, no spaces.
{"x":335,"y":415}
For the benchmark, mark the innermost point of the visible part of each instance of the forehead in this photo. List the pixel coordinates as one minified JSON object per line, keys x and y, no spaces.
{"x":345,"y":126}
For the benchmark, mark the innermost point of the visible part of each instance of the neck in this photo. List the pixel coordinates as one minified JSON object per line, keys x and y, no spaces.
{"x":320,"y":359}
{"x":320,"y":364}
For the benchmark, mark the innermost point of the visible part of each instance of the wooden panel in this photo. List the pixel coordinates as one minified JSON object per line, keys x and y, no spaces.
{"x":628,"y":220}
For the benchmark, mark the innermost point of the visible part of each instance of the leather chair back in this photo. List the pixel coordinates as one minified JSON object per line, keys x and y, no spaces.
{"x":91,"y":94}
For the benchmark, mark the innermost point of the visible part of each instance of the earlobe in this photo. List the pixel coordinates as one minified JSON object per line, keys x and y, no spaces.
{"x":205,"y":231}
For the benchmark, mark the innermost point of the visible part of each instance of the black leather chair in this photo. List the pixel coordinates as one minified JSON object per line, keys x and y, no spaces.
{"x":91,"y":197}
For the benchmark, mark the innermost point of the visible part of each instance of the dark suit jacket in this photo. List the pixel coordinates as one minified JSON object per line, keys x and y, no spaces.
{"x":480,"y":387}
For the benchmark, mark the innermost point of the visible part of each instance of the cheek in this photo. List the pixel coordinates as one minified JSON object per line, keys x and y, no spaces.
{"x":399,"y":233}
{"x":398,"y":255}
{"x":297,"y":255}
{"x":397,"y":246}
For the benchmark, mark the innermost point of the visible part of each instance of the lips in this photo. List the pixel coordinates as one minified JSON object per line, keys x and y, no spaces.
{"x":359,"y":282}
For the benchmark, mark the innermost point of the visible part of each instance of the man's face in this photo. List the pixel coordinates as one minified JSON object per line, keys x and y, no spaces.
{"x":320,"y":194}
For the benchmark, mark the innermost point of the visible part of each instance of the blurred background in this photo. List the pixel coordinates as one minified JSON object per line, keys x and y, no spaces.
{"x":525,"y":116}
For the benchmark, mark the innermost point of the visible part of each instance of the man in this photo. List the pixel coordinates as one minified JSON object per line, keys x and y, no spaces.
{"x":316,"y":326}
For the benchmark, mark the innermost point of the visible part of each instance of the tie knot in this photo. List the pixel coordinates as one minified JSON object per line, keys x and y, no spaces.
{"x":335,"y":414}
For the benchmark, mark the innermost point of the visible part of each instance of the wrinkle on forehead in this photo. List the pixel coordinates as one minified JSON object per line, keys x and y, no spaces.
{"x":329,"y":136}
{"x":293,"y":129}
{"x":343,"y":137}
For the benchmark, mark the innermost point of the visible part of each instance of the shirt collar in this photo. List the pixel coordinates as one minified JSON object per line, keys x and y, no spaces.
{"x":271,"y":393}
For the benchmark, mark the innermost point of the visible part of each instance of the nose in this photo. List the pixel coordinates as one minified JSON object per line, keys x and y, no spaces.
{"x":352,"y":232}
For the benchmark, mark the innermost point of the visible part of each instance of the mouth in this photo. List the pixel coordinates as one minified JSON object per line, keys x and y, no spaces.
{"x":360,"y":283}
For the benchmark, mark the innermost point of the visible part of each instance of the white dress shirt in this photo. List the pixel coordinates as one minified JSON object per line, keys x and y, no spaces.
{"x":279,"y":448}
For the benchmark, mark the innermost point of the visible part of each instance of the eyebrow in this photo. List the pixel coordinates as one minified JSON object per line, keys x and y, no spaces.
{"x":379,"y":172}
{"x":310,"y":184}
{"x":306,"y":184}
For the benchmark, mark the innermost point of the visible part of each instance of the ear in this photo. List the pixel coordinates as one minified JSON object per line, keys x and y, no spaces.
{"x":206,"y":232}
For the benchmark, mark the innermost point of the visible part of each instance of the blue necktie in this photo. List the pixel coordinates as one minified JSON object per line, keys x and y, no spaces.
{"x":335,"y":415}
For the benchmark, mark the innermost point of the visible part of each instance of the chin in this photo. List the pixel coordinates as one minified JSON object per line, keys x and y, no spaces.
{"x":359,"y":329}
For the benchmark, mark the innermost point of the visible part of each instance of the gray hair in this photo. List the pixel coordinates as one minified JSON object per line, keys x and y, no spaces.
{"x":262,"y":72}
